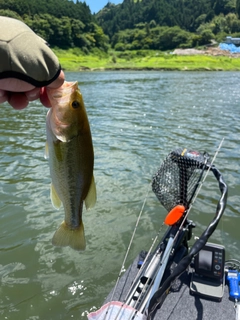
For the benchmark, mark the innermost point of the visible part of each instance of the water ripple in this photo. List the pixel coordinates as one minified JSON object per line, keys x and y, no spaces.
{"x":137,"y":118}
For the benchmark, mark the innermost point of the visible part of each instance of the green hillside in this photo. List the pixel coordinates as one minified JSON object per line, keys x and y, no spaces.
{"x":62,"y":23}
{"x":132,"y":25}
{"x":167,"y":24}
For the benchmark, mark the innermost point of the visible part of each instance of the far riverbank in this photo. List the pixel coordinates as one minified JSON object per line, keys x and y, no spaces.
{"x":75,"y":60}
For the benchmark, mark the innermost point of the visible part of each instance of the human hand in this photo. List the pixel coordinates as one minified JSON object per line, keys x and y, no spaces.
{"x":19,"y":93}
{"x":27,"y":65}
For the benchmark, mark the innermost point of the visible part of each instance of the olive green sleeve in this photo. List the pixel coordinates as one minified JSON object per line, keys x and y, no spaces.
{"x":24,"y":55}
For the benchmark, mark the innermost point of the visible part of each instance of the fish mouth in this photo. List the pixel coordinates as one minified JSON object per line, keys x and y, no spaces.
{"x":64,"y":91}
{"x":58,"y":119}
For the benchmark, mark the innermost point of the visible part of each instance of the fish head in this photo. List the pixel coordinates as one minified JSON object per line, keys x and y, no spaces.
{"x":67,"y":117}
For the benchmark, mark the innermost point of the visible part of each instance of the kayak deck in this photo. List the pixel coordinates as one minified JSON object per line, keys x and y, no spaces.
{"x":179,"y":303}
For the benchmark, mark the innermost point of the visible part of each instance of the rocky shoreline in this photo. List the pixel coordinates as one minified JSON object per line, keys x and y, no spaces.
{"x":211,"y":51}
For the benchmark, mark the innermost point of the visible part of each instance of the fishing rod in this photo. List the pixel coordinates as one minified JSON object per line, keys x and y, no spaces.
{"x":176,"y":185}
{"x":179,"y":167}
{"x":197,"y":246}
{"x":129,"y":246}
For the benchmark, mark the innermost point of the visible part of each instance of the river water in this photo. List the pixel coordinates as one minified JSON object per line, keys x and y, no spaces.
{"x":136,"y":119}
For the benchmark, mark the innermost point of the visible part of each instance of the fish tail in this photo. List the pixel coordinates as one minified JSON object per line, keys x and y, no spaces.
{"x":74,"y":238}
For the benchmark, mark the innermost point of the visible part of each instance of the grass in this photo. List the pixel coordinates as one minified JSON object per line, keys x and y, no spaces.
{"x":75,"y":60}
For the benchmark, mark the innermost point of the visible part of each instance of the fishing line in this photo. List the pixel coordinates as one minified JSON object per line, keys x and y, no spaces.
{"x":132,"y":316}
{"x":200,"y":185}
{"x":128,"y":249}
{"x":145,"y":259}
{"x":198,"y":245}
{"x":144,"y":291}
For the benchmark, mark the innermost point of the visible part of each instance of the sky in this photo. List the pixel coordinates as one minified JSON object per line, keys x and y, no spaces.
{"x":96,"y":5}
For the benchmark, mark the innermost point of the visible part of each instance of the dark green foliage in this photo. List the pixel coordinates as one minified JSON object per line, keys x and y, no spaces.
{"x":238,"y":8}
{"x":225,"y":6}
{"x":131,"y":25}
{"x":10,"y":14}
{"x":61,"y":23}
{"x":158,"y":38}
{"x":182,"y":13}
{"x":56,"y":8}
{"x":167,"y":24}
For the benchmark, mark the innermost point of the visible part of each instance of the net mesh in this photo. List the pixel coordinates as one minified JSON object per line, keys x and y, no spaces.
{"x":177,"y":178}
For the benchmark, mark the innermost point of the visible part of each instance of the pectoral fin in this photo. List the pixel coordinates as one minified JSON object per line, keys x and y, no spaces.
{"x":56,"y":202}
{"x":64,"y":237}
{"x":46,"y":154}
{"x":91,"y":197}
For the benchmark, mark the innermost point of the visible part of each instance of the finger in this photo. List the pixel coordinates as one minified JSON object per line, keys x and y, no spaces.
{"x":18,"y":100}
{"x":58,"y":82}
{"x":44,"y":98}
{"x":3,"y":96}
{"x":15,"y":85}
{"x":33,"y":94}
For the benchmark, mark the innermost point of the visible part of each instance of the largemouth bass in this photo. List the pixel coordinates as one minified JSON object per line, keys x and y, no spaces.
{"x":70,"y":152}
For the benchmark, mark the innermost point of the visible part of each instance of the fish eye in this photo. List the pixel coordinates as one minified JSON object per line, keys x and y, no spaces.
{"x":75,"y":104}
